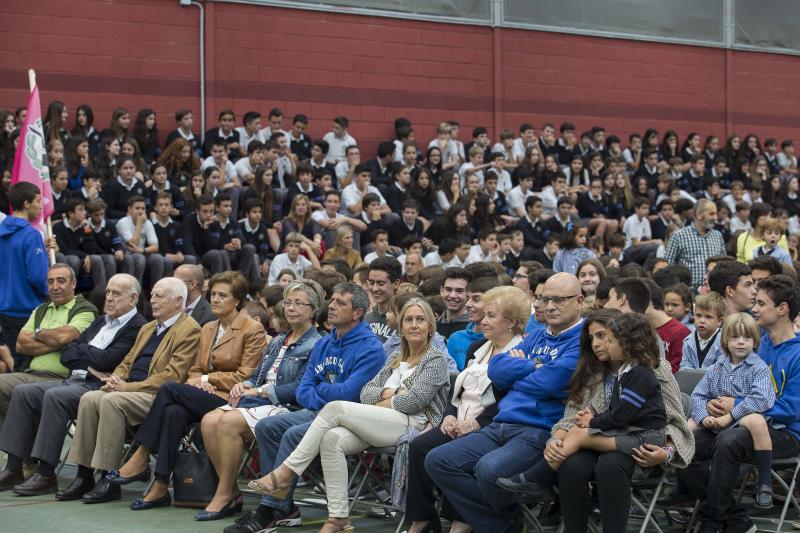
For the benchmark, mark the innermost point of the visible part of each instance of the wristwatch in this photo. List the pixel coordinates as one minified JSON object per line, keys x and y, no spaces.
{"x":36,"y":333}
{"x":260,"y":391}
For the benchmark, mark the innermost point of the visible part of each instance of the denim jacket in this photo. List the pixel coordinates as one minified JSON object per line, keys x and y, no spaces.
{"x":289,"y":373}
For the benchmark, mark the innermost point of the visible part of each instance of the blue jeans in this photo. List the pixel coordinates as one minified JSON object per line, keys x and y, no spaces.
{"x":467,"y":468}
{"x":277,"y":437}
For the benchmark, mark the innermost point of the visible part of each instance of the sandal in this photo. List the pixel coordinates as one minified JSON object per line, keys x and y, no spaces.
{"x":276,"y":492}
{"x":337,"y":525}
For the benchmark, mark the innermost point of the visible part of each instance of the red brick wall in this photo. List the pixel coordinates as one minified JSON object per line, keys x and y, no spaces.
{"x":144,"y":53}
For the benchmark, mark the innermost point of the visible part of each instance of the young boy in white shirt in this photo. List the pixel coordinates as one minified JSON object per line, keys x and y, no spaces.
{"x":219,"y":159}
{"x":486,"y":250}
{"x":246,"y":166}
{"x":741,"y":219}
{"x":140,"y":240}
{"x":380,"y":242}
{"x":338,"y":140}
{"x":292,"y":259}
{"x":639,"y":242}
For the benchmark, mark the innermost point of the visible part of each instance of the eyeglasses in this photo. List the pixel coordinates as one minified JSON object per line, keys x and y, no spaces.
{"x":294,"y":303}
{"x":520,"y":276}
{"x":557,"y":300}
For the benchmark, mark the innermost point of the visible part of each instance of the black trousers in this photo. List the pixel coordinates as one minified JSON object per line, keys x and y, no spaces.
{"x":612,"y":474}
{"x":420,"y":500}
{"x":713,"y":474}
{"x":176,"y":407}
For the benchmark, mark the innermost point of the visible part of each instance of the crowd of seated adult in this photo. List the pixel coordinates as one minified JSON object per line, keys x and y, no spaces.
{"x":559,"y":335}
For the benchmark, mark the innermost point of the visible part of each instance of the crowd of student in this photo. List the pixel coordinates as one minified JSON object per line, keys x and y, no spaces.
{"x":518,"y":342}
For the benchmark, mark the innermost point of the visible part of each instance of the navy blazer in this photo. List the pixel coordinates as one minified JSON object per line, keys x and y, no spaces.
{"x":80,"y":355}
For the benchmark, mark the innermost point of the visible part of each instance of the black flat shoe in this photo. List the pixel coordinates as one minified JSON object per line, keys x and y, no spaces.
{"x":102,"y":492}
{"x":140,"y":505}
{"x":114,"y":478}
{"x":76,"y":489}
{"x":234,"y":506}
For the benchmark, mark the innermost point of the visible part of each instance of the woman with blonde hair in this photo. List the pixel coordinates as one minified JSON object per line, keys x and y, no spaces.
{"x":299,"y":219}
{"x":409,"y":392}
{"x":506,"y":312}
{"x":344,"y":248}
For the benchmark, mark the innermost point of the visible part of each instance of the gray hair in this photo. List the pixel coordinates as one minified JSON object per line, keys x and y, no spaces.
{"x":63,"y":265}
{"x":133,"y":284}
{"x":176,"y":288}
{"x":700,"y":206}
{"x":310,"y":288}
{"x":360,"y":299}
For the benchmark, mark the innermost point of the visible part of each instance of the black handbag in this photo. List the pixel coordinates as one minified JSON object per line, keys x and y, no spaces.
{"x":194,"y":480}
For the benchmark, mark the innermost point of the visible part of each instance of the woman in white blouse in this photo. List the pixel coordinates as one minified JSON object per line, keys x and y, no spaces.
{"x":507,"y":311}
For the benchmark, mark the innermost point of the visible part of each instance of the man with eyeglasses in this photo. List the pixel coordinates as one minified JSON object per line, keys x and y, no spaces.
{"x":534,"y":377}
{"x":196,"y":306}
{"x":38,"y":414}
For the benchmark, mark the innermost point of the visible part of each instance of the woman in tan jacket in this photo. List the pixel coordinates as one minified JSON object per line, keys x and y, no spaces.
{"x":230,"y":349}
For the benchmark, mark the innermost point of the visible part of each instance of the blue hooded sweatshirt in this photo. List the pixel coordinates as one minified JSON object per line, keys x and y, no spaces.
{"x":460,"y":341}
{"x":23,"y":277}
{"x":784,"y":363}
{"x":533,"y":325}
{"x":536,"y":396}
{"x":338,"y":368}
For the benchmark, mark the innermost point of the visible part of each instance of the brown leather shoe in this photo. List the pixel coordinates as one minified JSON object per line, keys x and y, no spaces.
{"x":36,"y":485}
{"x":8,"y":479}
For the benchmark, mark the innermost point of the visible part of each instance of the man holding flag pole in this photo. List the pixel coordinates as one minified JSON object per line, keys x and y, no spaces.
{"x":23,"y":280}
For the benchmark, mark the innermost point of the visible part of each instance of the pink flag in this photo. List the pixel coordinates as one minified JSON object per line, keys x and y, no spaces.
{"x":30,"y":161}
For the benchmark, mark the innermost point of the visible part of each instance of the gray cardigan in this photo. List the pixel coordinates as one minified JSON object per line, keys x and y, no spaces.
{"x":677,"y":427}
{"x":428,"y":386}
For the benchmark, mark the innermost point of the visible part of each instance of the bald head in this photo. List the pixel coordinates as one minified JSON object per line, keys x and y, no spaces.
{"x":562,"y":301}
{"x":192,"y":276}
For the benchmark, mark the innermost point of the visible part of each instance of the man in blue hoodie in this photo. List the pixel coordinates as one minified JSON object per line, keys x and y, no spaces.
{"x":777,"y":305}
{"x":339,"y":366}
{"x":459,"y":342}
{"x":23,"y":278}
{"x":534,"y":376}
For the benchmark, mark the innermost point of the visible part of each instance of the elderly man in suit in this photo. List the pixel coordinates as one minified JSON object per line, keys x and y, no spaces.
{"x":39,"y":413}
{"x":196,"y":306}
{"x":163,"y":351}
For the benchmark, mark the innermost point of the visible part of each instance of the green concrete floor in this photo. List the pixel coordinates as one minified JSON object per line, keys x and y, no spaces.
{"x":47,"y":515}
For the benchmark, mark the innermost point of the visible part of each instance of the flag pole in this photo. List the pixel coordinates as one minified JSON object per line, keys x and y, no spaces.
{"x":49,"y":226}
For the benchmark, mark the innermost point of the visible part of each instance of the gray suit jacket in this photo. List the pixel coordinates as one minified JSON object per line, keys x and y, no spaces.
{"x":202,"y":312}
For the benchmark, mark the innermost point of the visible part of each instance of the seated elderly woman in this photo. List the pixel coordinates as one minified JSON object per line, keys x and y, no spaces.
{"x":269,"y":391}
{"x":409,"y":392}
{"x":506,"y":312}
{"x":230,"y":349}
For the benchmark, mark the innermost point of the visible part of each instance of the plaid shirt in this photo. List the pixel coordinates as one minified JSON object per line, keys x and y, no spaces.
{"x":749,"y":383}
{"x":688,"y":248}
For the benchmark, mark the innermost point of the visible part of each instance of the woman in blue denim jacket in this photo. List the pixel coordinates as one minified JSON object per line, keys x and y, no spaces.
{"x":269,"y":391}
